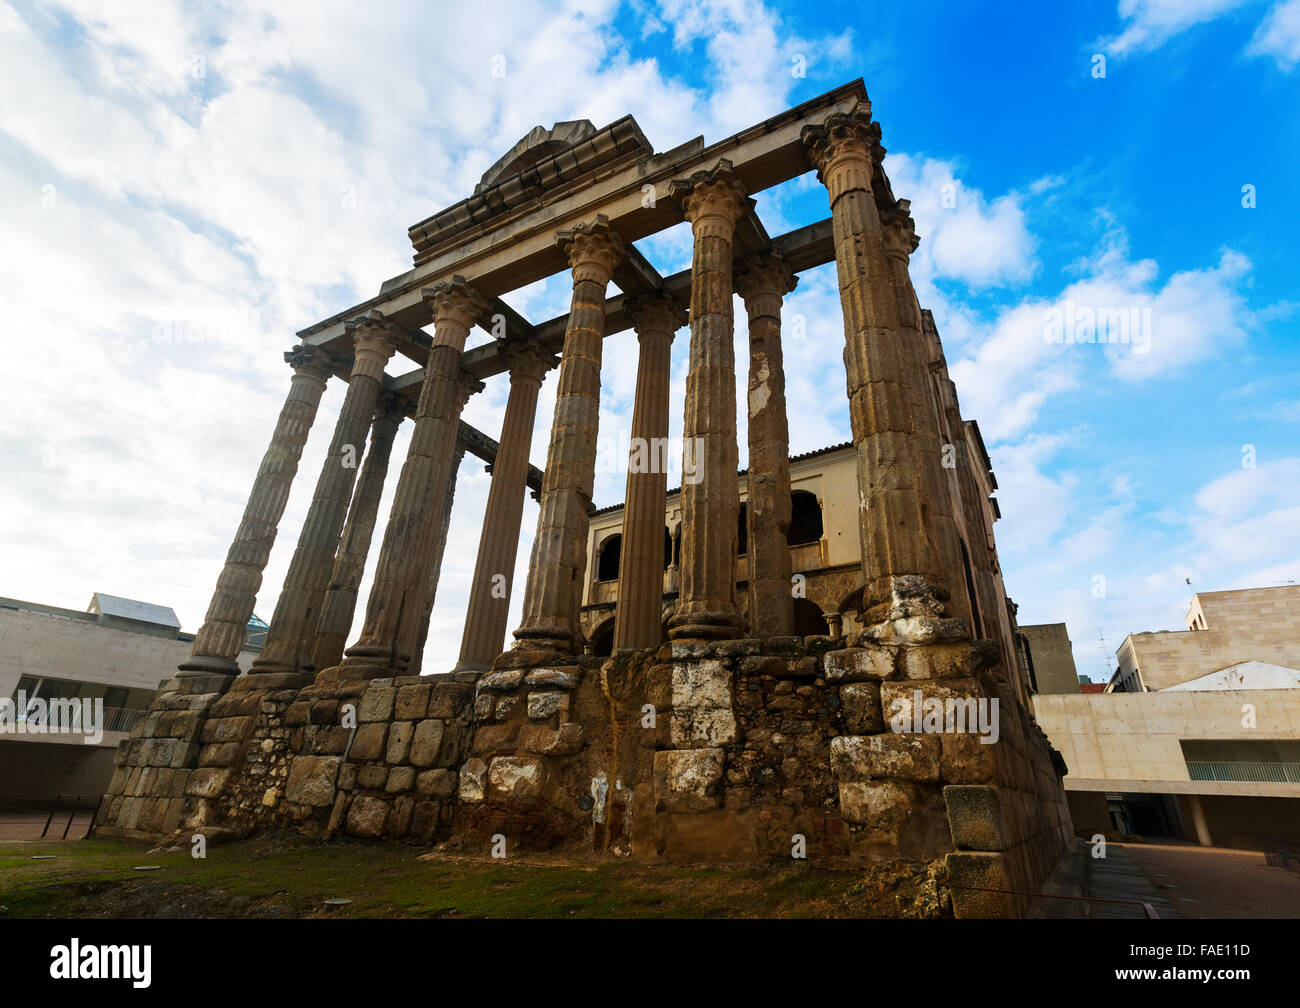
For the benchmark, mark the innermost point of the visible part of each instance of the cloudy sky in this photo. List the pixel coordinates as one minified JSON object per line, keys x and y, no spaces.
{"x":239,"y":171}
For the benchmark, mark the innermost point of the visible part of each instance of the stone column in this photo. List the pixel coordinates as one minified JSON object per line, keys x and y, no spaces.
{"x":901,"y":562}
{"x":349,"y":565}
{"x":763,"y":283}
{"x":225,"y":627}
{"x":637,"y":621}
{"x":488,"y":615}
{"x":292,"y":632}
{"x":557,"y":566}
{"x":397,"y":596}
{"x":900,"y":242}
{"x":712,"y":201}
{"x":439,"y":549}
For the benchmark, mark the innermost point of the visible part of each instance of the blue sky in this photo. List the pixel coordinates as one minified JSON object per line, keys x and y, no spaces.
{"x":241,"y":171}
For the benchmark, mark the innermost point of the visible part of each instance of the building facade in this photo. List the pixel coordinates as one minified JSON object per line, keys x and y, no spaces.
{"x":117,"y":652}
{"x":1198,"y":733}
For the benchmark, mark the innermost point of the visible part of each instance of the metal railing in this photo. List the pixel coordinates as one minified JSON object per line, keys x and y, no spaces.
{"x":121,"y":719}
{"x":1256,"y":773}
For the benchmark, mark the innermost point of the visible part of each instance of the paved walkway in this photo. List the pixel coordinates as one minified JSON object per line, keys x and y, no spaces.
{"x":1217,"y":882}
{"x":1104,"y":882}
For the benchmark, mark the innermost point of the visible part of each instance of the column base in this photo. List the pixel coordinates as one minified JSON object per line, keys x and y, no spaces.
{"x":472,"y":665}
{"x":201,"y":665}
{"x":703,"y":625}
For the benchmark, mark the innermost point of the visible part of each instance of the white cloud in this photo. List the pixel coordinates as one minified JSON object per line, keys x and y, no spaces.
{"x":1148,"y":24}
{"x":1279,"y":35}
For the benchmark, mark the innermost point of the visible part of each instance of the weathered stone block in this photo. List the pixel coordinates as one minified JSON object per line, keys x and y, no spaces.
{"x":882,"y":805}
{"x":970,"y":872}
{"x":376,"y":703}
{"x":448,"y":699}
{"x":399,"y":741}
{"x":312,"y":779}
{"x":703,"y":727}
{"x":967,"y":760}
{"x":688,"y":780}
{"x":516,"y":778}
{"x":473,"y":780}
{"x":400,"y":778}
{"x":868,"y":757}
{"x":553,"y":678}
{"x":207,"y":782}
{"x":368,"y":743}
{"x":860,"y":703}
{"x":975,"y":817}
{"x":505,"y":681}
{"x":367,"y":817}
{"x":412,"y":702}
{"x":565,"y":741}
{"x":849,"y":665}
{"x":425,"y":743}
{"x":441,"y":783}
{"x":373,"y":776}
{"x":704,"y":683}
{"x":542,"y":704}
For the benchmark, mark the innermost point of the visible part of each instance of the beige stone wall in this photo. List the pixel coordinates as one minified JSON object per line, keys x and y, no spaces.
{"x":1053,"y":657}
{"x":831,"y":477}
{"x":67,"y":647}
{"x":1254,"y":624}
{"x":1134,"y":737}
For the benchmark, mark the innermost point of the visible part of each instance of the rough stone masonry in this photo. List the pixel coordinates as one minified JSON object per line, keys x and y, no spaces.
{"x":713,"y":732}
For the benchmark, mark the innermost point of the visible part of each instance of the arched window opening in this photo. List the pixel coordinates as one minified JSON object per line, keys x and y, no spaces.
{"x":607,"y":563}
{"x":602,"y":639}
{"x":808,"y":619}
{"x":805,"y":519}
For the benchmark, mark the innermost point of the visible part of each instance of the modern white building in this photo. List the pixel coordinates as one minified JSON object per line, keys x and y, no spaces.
{"x":1198,"y":732}
{"x":116,"y":653}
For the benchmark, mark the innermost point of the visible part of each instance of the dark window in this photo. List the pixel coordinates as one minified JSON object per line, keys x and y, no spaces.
{"x":805,"y":519}
{"x":742,"y":531}
{"x":808,"y":619}
{"x":607,"y":564}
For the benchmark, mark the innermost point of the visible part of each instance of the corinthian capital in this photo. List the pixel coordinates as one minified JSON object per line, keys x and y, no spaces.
{"x":844,"y":149}
{"x":899,"y":231}
{"x":310,"y":362}
{"x":372,"y":334}
{"x":655,"y":312}
{"x":455,"y":302}
{"x":712,"y":200}
{"x":594,"y":249}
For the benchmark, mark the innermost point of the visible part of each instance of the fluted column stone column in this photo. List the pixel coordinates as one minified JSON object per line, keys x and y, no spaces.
{"x":901,"y":561}
{"x":557,"y":566}
{"x":291,"y":636}
{"x":637,"y":623}
{"x":354,"y":546}
{"x":435,"y":569}
{"x":900,"y":242}
{"x":397,"y":596}
{"x":225,"y":628}
{"x":713,"y":202}
{"x":488,"y":615}
{"x":763,"y":283}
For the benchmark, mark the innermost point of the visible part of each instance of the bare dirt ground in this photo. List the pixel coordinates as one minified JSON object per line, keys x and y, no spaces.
{"x":1218,"y":882}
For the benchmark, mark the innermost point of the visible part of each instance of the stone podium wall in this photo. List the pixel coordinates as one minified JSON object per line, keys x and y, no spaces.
{"x":726,"y":751}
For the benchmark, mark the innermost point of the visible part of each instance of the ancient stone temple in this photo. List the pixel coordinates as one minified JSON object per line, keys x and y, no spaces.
{"x":715,"y":729}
